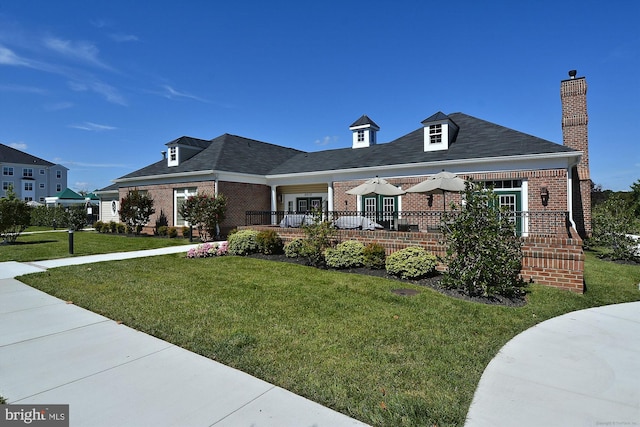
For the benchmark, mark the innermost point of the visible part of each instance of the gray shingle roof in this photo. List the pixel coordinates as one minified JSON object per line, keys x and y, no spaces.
{"x":364,"y":120}
{"x":11,"y":155}
{"x":229,"y":153}
{"x":436,"y":117}
{"x":476,"y":139}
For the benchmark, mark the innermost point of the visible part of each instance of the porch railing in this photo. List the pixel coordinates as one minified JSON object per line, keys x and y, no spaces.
{"x":531,"y":223}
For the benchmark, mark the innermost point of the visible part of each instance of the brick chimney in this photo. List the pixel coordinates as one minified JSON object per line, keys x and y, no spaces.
{"x":573,"y":94}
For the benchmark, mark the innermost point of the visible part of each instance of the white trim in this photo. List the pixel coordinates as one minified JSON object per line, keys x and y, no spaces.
{"x":570,"y":197}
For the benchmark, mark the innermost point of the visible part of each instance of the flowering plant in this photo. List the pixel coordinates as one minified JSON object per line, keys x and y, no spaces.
{"x":206,"y":250}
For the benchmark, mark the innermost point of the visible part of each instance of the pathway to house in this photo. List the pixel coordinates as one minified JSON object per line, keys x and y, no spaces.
{"x":579,"y":369}
{"x":111,"y":375}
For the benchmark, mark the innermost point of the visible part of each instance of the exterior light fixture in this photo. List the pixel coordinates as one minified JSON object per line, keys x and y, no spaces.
{"x":544,"y":195}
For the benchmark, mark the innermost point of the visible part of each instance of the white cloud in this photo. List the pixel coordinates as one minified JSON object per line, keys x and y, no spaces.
{"x":22,"y":146}
{"x":80,"y":50}
{"x":109,"y":92}
{"x":121,"y":37}
{"x":327,"y":140}
{"x":22,"y":89}
{"x":90,"y":126}
{"x":170,"y":93}
{"x":8,"y":57}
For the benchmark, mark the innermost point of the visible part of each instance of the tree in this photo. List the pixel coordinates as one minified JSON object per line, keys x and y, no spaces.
{"x":205,"y":213}
{"x":135,"y":209}
{"x":484,"y":252}
{"x":15,"y":216}
{"x":612,"y":222}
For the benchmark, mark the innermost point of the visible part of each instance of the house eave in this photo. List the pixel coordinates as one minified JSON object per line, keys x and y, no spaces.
{"x":165,"y":176}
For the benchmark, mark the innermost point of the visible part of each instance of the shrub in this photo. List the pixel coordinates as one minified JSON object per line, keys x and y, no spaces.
{"x":113,"y":226}
{"x":319,"y":236}
{"x":243,"y":243}
{"x":98,"y":226}
{"x":15,"y":216}
{"x":161,"y":221}
{"x":120,"y":228}
{"x":128,"y":229}
{"x":185,"y":231}
{"x":294,"y":248}
{"x":411,"y":263}
{"x":205,"y":213}
{"x":347,"y":254}
{"x":374,"y":256}
{"x":269,"y":242}
{"x":104,"y":228}
{"x":613,"y":221}
{"x":172,"y":232}
{"x":162,"y":230}
{"x":484,"y":252}
{"x":206,"y":250}
{"x":135,"y":209}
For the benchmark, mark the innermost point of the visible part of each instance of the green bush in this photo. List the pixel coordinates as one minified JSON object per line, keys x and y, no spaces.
{"x":113,"y":226}
{"x":347,"y":254}
{"x":129,"y":229}
{"x":98,"y":226}
{"x":172,"y":232}
{"x":269,"y":242}
{"x":411,"y":263}
{"x":162,"y":230}
{"x":294,"y":248}
{"x":243,"y":243}
{"x":104,"y":228}
{"x":121,"y":228}
{"x":484,"y":251}
{"x":374,"y":256}
{"x":185,"y":231}
{"x":319,"y":237}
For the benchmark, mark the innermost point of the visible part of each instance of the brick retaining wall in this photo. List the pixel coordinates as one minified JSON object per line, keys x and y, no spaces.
{"x":557,"y":262}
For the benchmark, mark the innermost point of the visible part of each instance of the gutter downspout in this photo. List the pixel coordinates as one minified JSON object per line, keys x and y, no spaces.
{"x":570,"y":196}
{"x":274,"y":204}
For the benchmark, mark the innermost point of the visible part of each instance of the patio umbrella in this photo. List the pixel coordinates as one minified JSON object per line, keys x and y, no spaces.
{"x":376,"y":186}
{"x":441,"y":182}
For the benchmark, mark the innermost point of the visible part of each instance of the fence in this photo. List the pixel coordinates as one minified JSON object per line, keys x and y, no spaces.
{"x":528,"y":223}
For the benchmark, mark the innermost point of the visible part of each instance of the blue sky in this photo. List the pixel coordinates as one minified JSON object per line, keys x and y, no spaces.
{"x":100,"y":87}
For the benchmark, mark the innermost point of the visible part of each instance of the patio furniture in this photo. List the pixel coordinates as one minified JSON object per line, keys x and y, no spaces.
{"x":296,"y":220}
{"x":356,"y":221}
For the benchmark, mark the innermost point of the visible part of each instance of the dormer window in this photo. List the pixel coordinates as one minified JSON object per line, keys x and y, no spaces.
{"x":173,"y":154}
{"x":361,"y":136}
{"x":435,"y":134}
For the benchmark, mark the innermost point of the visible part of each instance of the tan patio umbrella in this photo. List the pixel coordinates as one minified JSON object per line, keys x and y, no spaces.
{"x":441,"y":182}
{"x":376,"y":186}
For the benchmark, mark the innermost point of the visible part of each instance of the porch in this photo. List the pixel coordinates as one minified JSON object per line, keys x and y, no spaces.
{"x":528,"y":223}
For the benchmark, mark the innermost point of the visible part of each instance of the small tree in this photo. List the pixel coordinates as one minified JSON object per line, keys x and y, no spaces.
{"x":319,"y":236}
{"x":612,"y":221}
{"x":205,"y":213}
{"x":135,"y":209}
{"x":15,"y":216}
{"x":484,"y":253}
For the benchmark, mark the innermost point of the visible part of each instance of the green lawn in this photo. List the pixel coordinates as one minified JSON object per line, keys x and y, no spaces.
{"x":345,"y":341}
{"x":55,"y":244}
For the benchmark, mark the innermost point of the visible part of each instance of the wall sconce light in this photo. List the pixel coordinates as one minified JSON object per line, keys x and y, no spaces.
{"x":279,"y":198}
{"x":430,"y":200}
{"x":544,"y":195}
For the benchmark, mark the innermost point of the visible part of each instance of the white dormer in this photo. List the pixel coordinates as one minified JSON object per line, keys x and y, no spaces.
{"x":364,"y":132}
{"x":439,"y":132}
{"x":184,"y":148}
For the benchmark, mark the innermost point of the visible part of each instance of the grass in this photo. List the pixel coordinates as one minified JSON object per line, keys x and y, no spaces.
{"x":55,"y":244}
{"x":345,"y":341}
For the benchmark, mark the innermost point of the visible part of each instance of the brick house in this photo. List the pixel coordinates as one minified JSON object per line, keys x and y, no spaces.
{"x":535,"y":177}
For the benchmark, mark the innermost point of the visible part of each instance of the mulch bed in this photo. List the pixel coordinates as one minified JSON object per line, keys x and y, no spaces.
{"x":433,"y":282}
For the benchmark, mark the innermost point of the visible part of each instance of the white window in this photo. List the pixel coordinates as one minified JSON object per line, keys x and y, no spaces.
{"x":41,"y":171}
{"x":114,"y":207}
{"x":42,"y":186}
{"x":58,"y":174}
{"x":435,"y":134}
{"x":360,"y":136}
{"x":28,"y":186}
{"x":179,"y":197}
{"x":7,"y":171}
{"x":6,"y":185}
{"x":58,"y":188}
{"x":27,"y":172}
{"x":173,"y":154}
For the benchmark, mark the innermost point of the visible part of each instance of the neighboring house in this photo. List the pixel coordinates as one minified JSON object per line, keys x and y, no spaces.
{"x":65,"y":198}
{"x":531,"y":174}
{"x":32,"y":178}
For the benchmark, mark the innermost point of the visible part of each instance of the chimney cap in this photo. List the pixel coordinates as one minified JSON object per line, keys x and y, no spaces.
{"x":572,"y":74}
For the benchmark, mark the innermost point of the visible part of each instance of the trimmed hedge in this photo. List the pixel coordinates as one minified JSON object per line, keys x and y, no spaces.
{"x":411,"y":263}
{"x":347,"y":254}
{"x":243,"y":243}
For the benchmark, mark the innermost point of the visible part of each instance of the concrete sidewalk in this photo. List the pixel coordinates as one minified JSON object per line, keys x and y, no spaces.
{"x":52,"y":352}
{"x":579,"y":369}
